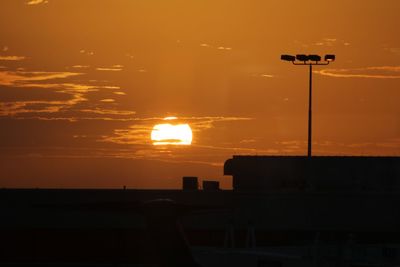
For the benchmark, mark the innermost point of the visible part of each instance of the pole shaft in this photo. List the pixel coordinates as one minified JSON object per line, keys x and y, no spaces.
{"x":309,"y":113}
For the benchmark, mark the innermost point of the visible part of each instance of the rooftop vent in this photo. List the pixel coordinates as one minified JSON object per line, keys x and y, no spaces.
{"x":190,"y":183}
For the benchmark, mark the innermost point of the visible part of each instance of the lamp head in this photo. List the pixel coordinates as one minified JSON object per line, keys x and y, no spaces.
{"x":314,"y":57}
{"x":330,"y":58}
{"x":288,"y":58}
{"x":302,"y":57}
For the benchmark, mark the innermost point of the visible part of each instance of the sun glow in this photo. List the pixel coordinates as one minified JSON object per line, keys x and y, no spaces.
{"x":171,"y":134}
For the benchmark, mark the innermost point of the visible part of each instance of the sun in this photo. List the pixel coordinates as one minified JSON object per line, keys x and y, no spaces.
{"x":171,"y":134}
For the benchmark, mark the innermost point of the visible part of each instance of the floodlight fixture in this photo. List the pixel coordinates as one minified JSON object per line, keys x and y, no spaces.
{"x":288,"y":58}
{"x":302,"y":57}
{"x":330,"y":58}
{"x":315,"y":58}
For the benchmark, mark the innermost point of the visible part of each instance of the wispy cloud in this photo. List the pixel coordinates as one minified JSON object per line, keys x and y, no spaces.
{"x":138,"y":138}
{"x":380,"y":72}
{"x":218,"y":47}
{"x":140,"y":132}
{"x":21,"y":78}
{"x":202,"y":123}
{"x":12,"y":58}
{"x":37,"y":2}
{"x":326,"y":147}
{"x":88,"y":53}
{"x":109,"y":111}
{"x":59,"y":109}
{"x":247,"y":141}
{"x":224,"y":48}
{"x":267,"y":75}
{"x":111,"y":68}
{"x":80,"y":66}
{"x":108,"y":100}
{"x":133,"y":135}
{"x":20,"y":107}
{"x":328,"y":42}
{"x":331,"y":42}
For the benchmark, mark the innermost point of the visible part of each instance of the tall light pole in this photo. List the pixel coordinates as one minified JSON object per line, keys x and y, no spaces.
{"x":309,"y":60}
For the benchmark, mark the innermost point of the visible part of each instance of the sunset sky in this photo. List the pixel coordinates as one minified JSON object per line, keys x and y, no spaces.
{"x":82,"y":84}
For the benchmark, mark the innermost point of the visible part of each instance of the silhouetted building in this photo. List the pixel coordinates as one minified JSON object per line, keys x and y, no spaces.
{"x":322,"y":173}
{"x":290,"y":201}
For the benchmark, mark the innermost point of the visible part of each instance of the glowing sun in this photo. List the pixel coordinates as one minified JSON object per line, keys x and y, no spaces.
{"x":171,"y":134}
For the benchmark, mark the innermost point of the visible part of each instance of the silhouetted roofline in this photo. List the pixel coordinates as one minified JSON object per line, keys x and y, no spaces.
{"x":304,"y":156}
{"x":251,"y":173}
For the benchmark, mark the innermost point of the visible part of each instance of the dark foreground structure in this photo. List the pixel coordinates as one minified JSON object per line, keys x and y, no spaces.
{"x":282,"y":211}
{"x":320,"y":174}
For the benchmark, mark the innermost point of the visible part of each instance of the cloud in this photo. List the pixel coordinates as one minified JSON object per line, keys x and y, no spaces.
{"x":133,"y":135}
{"x":88,"y":53}
{"x":205,"y":45}
{"x":326,"y":147}
{"x":267,"y":75}
{"x":331,"y":42}
{"x":108,"y":100}
{"x":20,"y":107}
{"x":56,"y":109}
{"x":109,"y":111}
{"x":247,"y":141}
{"x":37,"y":2}
{"x":80,"y":66}
{"x":224,"y":48}
{"x":80,"y":117}
{"x":19,"y":78}
{"x":112,"y":68}
{"x":12,"y":58}
{"x":202,"y":123}
{"x":139,"y":133}
{"x":137,"y":139}
{"x":380,"y":72}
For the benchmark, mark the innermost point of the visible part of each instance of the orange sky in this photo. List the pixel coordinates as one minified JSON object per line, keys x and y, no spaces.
{"x":82,"y":83}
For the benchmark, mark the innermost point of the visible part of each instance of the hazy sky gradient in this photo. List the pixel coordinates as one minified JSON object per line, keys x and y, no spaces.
{"x":82,"y":83}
